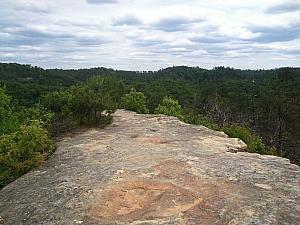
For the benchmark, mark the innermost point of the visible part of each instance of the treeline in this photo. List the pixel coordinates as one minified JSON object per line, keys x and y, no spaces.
{"x":262,"y":107}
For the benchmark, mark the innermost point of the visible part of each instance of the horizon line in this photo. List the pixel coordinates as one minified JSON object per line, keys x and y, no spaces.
{"x":167,"y":67}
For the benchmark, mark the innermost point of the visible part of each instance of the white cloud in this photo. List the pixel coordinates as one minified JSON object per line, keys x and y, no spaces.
{"x":127,"y":19}
{"x":150,"y":34}
{"x":102,"y":1}
{"x":33,"y":5}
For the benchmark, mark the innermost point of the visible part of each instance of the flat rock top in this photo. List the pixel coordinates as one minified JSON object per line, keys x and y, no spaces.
{"x":149,"y":169}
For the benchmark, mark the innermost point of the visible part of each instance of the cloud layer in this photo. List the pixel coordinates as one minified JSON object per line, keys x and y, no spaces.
{"x":102,"y":1}
{"x":150,"y":34}
{"x":283,"y":7}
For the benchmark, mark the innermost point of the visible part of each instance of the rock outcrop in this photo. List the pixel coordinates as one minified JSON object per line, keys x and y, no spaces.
{"x":149,"y":169}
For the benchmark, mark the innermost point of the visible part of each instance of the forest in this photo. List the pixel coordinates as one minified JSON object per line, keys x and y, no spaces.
{"x":261,"y":107}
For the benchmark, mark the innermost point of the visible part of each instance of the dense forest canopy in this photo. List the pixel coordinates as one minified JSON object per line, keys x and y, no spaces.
{"x":262,"y":107}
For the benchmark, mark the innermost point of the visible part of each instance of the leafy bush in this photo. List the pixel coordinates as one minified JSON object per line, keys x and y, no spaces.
{"x":199,"y":120}
{"x":22,"y":150}
{"x":169,"y":107}
{"x":36,"y":112}
{"x":135,"y":101}
{"x":58,"y":102}
{"x":83,"y":104}
{"x":254,"y":143}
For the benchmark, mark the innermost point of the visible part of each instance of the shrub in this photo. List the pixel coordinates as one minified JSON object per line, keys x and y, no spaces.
{"x":22,"y":150}
{"x":36,"y":112}
{"x":169,"y":107}
{"x":135,"y":101}
{"x":83,"y":104}
{"x":254,"y":143}
{"x":200,"y":120}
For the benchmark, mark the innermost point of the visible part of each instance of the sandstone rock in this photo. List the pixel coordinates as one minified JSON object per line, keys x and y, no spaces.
{"x":1,"y":220}
{"x":148,"y":169}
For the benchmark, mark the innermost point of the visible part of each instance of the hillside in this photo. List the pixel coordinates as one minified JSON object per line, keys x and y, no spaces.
{"x":152,"y":169}
{"x":267,"y":102}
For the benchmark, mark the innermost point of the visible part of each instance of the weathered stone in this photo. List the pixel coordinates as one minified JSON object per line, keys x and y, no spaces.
{"x":146,"y":169}
{"x":1,"y":220}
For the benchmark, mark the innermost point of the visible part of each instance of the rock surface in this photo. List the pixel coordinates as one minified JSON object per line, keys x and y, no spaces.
{"x":147,"y":169}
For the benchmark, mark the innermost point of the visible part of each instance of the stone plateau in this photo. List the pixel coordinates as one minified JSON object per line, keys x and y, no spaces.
{"x":153,"y":169}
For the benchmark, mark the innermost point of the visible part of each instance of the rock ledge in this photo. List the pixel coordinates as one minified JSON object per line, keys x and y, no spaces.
{"x":153,"y":169}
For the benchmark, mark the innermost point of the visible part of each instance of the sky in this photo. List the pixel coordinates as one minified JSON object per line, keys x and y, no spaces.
{"x":150,"y":34}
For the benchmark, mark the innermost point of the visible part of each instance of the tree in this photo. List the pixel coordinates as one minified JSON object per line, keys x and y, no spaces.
{"x":135,"y":101}
{"x":105,"y":94}
{"x":284,"y":113}
{"x":169,"y":107}
{"x":58,"y":102}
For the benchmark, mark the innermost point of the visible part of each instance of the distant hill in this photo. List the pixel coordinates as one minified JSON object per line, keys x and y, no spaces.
{"x":27,"y":83}
{"x":267,"y":101}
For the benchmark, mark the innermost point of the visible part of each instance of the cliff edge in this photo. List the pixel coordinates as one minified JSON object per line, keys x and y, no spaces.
{"x":152,"y":169}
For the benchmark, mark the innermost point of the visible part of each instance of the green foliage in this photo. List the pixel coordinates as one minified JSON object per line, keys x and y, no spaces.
{"x":8,"y":119}
{"x":267,"y":100}
{"x":135,"y":101}
{"x":58,"y":102}
{"x":22,"y":150}
{"x":36,"y":112}
{"x":95,"y":96}
{"x":198,"y":119}
{"x":25,"y":146}
{"x":170,"y":107}
{"x":84,"y":104}
{"x":279,"y":111}
{"x":254,"y":143}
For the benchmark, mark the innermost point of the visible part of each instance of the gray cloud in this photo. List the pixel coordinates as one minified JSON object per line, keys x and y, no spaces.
{"x":294,"y":51}
{"x":128,"y":19}
{"x":171,"y":51}
{"x":276,"y":34}
{"x":27,"y":36}
{"x":33,"y":33}
{"x":91,"y":41}
{"x":174,"y":24}
{"x":102,"y":1}
{"x":34,"y":37}
{"x":211,"y":39}
{"x":6,"y":23}
{"x":144,"y":42}
{"x":160,"y":47}
{"x":284,"y":7}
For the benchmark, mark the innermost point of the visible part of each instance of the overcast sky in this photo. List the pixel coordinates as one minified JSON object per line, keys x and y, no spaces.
{"x":150,"y":34}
